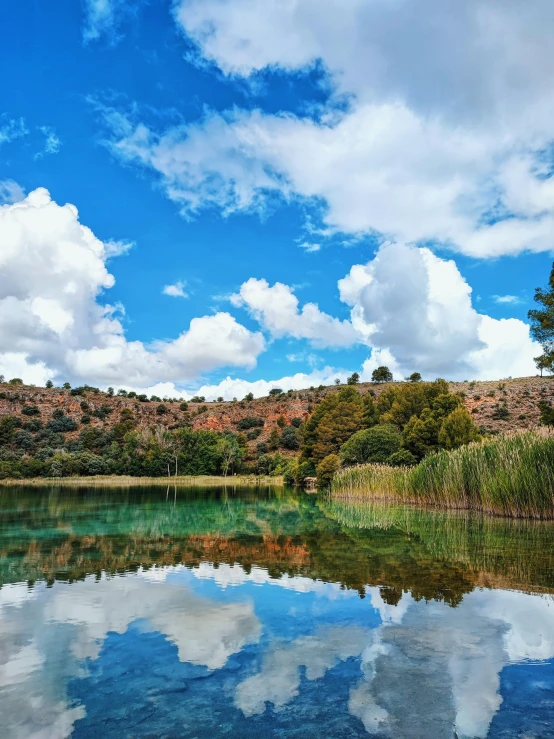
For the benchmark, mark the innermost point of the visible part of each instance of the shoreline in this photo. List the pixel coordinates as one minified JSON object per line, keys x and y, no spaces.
{"x":128,"y":481}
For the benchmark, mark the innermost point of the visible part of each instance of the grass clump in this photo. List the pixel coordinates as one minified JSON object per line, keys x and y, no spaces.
{"x":509,"y":475}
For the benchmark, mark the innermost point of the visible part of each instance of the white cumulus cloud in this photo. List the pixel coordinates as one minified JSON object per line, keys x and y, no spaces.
{"x":415,"y":310}
{"x":53,"y":322}
{"x":276,"y":308}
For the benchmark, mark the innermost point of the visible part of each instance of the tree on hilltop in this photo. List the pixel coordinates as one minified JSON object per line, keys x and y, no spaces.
{"x":381,"y":374}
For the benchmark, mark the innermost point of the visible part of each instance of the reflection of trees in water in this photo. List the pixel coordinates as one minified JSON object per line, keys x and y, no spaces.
{"x":497,"y":552}
{"x":66,"y":535}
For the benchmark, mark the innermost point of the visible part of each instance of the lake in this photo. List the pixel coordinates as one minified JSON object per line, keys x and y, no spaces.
{"x":168,"y":613}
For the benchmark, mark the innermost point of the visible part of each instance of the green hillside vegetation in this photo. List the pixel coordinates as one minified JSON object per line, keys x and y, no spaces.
{"x":406,"y":423}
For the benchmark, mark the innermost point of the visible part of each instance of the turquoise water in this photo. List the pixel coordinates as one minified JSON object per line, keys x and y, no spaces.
{"x":227,"y":613}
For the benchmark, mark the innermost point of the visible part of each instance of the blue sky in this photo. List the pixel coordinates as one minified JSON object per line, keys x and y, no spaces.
{"x":327,"y":187}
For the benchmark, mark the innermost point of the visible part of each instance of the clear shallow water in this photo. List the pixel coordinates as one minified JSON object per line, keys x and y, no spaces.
{"x":263,"y":614}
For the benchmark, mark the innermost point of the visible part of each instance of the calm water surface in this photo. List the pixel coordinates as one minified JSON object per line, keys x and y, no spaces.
{"x":229,"y":613}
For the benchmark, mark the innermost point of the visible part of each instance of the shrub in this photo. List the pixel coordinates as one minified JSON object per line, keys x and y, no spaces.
{"x":251,"y":435}
{"x":274,"y":440}
{"x":33,"y":426}
{"x":547,"y":413}
{"x":198,"y":399}
{"x":289,"y":438}
{"x":326,"y":470}
{"x":296,"y":422}
{"x":250,"y":422}
{"x":371,"y":445}
{"x":500,"y":412}
{"x":457,"y":429}
{"x":24,"y":440}
{"x":184,"y":407}
{"x":403,"y":458}
{"x":102,"y":412}
{"x":274,"y":392}
{"x":161,"y":409}
{"x":62,"y":424}
{"x":30,"y":410}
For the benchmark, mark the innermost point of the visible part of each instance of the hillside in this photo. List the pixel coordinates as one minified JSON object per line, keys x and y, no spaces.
{"x":497,"y":406}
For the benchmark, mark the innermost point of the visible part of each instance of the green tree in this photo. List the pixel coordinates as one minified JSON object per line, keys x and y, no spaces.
{"x":289,"y":438}
{"x":374,"y":445}
{"x":421,"y":435}
{"x":66,"y":386}
{"x":326,"y":469}
{"x":370,"y":416}
{"x":542,"y":322}
{"x":547,"y":413}
{"x":275,"y":391}
{"x":354,"y":379}
{"x":336,"y":418}
{"x":414,"y":377}
{"x":15,"y":381}
{"x":399,"y":403}
{"x":274,"y":440}
{"x":249,"y":397}
{"x":544,"y":362}
{"x":457,"y":429}
{"x":381,"y":374}
{"x":49,"y":384}
{"x":229,"y":452}
{"x":110,"y":391}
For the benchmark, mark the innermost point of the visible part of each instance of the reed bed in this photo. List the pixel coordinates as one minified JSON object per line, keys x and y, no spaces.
{"x":124,"y":481}
{"x":507,"y":476}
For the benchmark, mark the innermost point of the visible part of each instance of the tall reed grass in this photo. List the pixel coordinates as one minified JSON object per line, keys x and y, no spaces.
{"x":509,"y":476}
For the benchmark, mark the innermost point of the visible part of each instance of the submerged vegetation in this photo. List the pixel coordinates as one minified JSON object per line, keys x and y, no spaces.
{"x":511,"y":475}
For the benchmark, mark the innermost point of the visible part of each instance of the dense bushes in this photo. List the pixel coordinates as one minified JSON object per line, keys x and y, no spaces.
{"x":250,"y":422}
{"x":408,"y":421}
{"x":376,"y":444}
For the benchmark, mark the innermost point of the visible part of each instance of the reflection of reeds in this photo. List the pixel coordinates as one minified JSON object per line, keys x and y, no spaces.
{"x":502,"y":552}
{"x":510,"y":476}
{"x":123,"y":481}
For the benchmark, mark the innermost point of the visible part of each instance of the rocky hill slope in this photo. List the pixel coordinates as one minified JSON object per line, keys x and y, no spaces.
{"x":499,"y":406}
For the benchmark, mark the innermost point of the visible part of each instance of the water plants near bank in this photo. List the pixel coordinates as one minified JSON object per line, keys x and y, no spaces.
{"x":509,"y":476}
